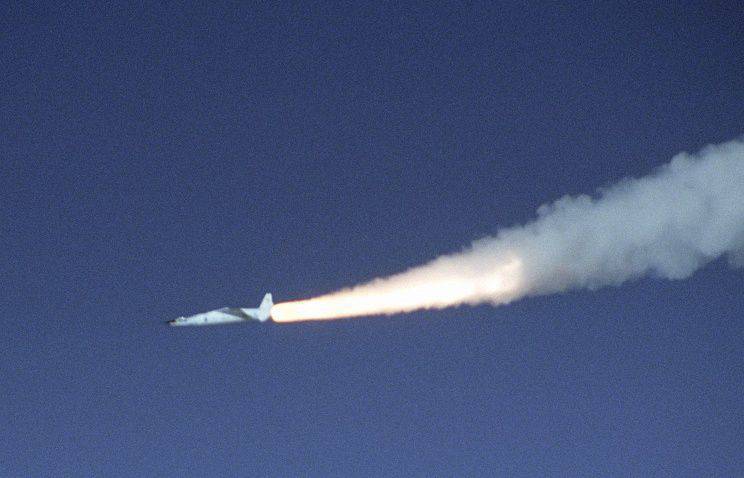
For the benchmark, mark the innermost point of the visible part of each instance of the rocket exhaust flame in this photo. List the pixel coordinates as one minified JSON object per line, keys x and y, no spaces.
{"x":668,"y":224}
{"x":435,"y":286}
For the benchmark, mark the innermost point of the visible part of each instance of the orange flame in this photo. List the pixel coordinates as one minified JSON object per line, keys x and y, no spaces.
{"x":433,"y":286}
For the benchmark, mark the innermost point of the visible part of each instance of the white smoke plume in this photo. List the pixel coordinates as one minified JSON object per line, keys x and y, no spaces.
{"x":668,"y":224}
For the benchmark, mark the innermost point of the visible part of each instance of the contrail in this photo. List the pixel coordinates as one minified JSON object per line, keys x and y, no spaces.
{"x":667,"y":224}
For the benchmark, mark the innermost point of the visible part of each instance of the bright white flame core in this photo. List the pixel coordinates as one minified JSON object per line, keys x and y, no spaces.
{"x":432,"y":286}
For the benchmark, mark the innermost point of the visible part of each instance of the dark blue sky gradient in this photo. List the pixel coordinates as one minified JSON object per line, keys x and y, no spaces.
{"x":165,"y":160}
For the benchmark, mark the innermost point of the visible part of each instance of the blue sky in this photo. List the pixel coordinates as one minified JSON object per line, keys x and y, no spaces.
{"x":163,"y":160}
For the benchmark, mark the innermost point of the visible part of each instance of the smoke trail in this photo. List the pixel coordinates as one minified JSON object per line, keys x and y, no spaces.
{"x":668,"y":224}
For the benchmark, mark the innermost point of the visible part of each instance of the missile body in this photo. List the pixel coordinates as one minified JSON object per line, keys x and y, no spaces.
{"x":228,"y":315}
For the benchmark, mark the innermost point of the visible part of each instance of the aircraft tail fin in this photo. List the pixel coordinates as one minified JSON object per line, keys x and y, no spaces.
{"x":264,"y":310}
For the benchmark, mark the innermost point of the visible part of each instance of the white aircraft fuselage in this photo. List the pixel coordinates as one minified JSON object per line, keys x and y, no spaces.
{"x":228,"y":315}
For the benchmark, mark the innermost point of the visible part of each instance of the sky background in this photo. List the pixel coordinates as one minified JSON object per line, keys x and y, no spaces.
{"x":164,"y":160}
